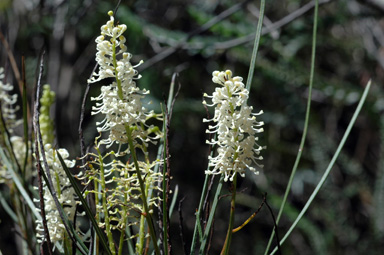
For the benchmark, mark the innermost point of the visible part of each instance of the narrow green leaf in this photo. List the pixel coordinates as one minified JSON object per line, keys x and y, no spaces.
{"x":197,"y":229}
{"x":211,"y":215}
{"x":255,"y":46}
{"x":7,"y":208}
{"x":18,"y":184}
{"x":174,"y":198}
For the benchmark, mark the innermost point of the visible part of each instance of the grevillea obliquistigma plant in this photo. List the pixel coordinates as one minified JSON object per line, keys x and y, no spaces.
{"x":235,"y":127}
{"x":122,"y":195}
{"x":119,"y":177}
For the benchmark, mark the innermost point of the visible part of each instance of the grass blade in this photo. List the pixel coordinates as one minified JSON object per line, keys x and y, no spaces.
{"x":7,"y":208}
{"x":19,"y":185}
{"x":211,"y":215}
{"x":255,"y":45}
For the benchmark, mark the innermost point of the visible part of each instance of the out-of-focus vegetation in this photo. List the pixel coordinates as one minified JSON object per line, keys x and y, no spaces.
{"x":347,"y":217}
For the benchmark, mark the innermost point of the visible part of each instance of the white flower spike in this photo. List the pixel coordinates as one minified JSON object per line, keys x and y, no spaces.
{"x":8,"y":103}
{"x":119,"y":101}
{"x":236,"y":128}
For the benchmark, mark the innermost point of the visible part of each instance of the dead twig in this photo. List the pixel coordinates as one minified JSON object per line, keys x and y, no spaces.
{"x":181,"y":228}
{"x":39,"y":168}
{"x":275,"y":225}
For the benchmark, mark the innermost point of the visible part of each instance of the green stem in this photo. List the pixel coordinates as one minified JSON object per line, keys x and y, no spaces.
{"x":165,"y":197}
{"x":228,"y":239}
{"x":104,"y":203}
{"x":198,"y":215}
{"x":143,"y":219}
{"x":140,"y":244}
{"x":148,"y":183}
{"x":142,"y":188}
{"x":121,"y":242}
{"x":124,"y":216}
{"x":97,"y":216}
{"x":119,"y":88}
{"x":198,"y":230}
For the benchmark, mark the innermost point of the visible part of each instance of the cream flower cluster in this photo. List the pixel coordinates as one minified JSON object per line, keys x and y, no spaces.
{"x":8,"y":101}
{"x":65,"y":195}
{"x":110,"y":39}
{"x":120,"y":101}
{"x":235,"y":126}
{"x":8,"y":109}
{"x":46,"y":122}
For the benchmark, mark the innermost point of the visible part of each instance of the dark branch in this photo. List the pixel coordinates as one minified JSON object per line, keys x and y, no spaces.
{"x":181,"y":228}
{"x":38,"y":165}
{"x":275,"y":225}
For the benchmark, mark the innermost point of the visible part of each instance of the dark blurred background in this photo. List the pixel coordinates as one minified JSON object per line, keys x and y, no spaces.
{"x":347,"y":217}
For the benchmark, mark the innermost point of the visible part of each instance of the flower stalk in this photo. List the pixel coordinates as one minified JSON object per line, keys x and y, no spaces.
{"x":228,"y":239}
{"x":146,"y":213}
{"x":104,"y":204}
